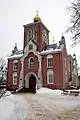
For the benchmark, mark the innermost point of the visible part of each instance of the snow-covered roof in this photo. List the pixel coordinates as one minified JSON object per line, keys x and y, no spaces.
{"x":51,"y":50}
{"x":55,"y":47}
{"x":15,"y":53}
{"x":15,"y":56}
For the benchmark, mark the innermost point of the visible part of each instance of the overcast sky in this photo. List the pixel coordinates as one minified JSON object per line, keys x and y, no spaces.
{"x":15,"y":13}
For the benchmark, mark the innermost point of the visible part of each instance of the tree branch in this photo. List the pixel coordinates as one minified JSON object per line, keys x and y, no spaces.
{"x":74,"y":28}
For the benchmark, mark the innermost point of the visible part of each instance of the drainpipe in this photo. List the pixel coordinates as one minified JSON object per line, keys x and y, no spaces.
{"x":70,"y":79}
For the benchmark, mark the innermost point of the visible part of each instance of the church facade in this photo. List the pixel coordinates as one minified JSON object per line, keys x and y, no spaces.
{"x":38,"y":64}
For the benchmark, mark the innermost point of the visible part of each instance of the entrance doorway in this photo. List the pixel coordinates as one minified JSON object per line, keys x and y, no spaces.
{"x":32,"y":83}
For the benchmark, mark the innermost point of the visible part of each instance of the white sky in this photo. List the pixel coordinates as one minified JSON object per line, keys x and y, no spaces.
{"x":15,"y":13}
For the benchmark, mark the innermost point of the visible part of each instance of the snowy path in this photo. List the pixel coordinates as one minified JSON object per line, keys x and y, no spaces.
{"x":42,"y":107}
{"x":69,"y":115}
{"x":36,"y":111}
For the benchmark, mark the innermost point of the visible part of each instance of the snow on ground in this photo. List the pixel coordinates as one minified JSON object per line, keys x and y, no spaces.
{"x":11,"y":107}
{"x":44,"y":90}
{"x":46,"y":103}
{"x":54,"y":98}
{"x":7,"y":106}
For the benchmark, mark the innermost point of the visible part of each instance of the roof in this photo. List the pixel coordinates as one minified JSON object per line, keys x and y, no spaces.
{"x":19,"y":54}
{"x":15,"y":56}
{"x":53,"y":48}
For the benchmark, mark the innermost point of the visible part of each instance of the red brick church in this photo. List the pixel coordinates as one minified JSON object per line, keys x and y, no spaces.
{"x":39,"y":63}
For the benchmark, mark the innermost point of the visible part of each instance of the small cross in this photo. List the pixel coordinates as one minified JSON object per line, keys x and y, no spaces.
{"x":53,"y":39}
{"x":37,"y":12}
{"x":15,"y":44}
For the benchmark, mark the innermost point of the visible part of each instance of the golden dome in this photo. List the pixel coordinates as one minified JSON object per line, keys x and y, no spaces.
{"x":37,"y":18}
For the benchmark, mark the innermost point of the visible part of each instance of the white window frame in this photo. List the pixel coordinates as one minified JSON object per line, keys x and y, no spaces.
{"x":48,"y":57}
{"x":14,"y":75}
{"x":15,"y":61}
{"x":50,"y":72}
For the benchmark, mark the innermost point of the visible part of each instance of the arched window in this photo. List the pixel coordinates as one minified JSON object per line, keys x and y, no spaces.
{"x":15,"y":65}
{"x":30,"y":47}
{"x":15,"y":78}
{"x":31,"y":63}
{"x":49,"y":61}
{"x":50,"y":77}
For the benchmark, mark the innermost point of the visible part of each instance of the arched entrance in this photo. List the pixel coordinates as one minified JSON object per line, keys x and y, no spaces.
{"x":32,"y":83}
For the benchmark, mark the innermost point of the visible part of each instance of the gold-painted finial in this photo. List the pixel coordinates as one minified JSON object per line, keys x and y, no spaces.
{"x":37,"y":18}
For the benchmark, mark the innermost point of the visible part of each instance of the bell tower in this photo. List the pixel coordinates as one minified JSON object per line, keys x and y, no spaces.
{"x":37,"y":33}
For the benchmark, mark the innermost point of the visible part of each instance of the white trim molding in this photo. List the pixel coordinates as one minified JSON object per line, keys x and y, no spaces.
{"x":49,"y":57}
{"x":27,"y":79}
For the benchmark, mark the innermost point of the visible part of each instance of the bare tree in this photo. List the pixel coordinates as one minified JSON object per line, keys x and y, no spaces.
{"x":2,"y":63}
{"x":74,"y":27}
{"x":3,"y":71}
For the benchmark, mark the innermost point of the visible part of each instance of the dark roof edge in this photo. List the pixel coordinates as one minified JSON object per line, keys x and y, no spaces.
{"x":36,"y":23}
